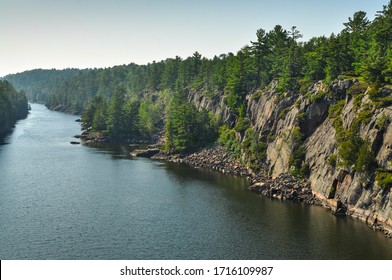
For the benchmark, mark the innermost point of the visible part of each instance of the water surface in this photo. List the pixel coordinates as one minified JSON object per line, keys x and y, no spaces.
{"x":63,"y":201}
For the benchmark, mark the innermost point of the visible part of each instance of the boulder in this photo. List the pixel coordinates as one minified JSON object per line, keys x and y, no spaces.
{"x":145,"y":153}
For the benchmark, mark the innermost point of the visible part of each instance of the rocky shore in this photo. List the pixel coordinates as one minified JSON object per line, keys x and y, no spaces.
{"x":90,"y":137}
{"x":286,"y":187}
{"x":215,"y":158}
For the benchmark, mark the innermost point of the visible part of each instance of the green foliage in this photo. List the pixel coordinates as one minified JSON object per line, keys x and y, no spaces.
{"x":94,"y":116}
{"x":383,"y":121}
{"x":365,"y":114}
{"x":297,"y":163}
{"x":358,"y":101}
{"x":255,"y":151}
{"x":129,"y":101}
{"x":357,"y":89}
{"x":336,"y":109}
{"x":187,"y":128}
{"x":375,"y":63}
{"x":358,"y":23}
{"x":99,"y":119}
{"x":13,"y":106}
{"x":242,"y":124}
{"x":318,"y":96}
{"x":150,"y":113}
{"x":39,"y":84}
{"x":384,"y":178}
{"x":381,"y":97}
{"x":315,"y":59}
{"x":301,"y":117}
{"x":116,"y":122}
{"x":365,"y":161}
{"x":131,"y":119}
{"x":118,"y":119}
{"x":283,"y":113}
{"x":353,"y":151}
{"x":296,"y":135}
{"x":362,"y":48}
{"x":227,"y":137}
{"x":332,"y":160}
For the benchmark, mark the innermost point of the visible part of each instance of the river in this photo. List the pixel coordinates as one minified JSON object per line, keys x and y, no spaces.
{"x":63,"y":201}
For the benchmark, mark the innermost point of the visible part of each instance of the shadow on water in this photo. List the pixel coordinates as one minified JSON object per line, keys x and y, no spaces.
{"x":238,"y":223}
{"x":185,"y":173}
{"x":5,"y":138}
{"x":116,"y":151}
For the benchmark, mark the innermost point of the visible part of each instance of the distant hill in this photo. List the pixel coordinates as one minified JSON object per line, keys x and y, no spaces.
{"x":39,"y":84}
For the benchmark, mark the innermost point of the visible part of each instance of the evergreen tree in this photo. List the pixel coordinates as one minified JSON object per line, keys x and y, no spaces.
{"x":358,"y":23}
{"x":13,"y":106}
{"x":261,"y":52}
{"x":116,"y":114}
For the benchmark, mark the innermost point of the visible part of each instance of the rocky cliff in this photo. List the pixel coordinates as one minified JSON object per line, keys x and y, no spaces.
{"x":338,"y":136}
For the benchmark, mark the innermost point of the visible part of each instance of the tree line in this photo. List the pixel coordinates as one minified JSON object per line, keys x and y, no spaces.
{"x":131,"y":100}
{"x":13,"y":106}
{"x":39,"y":84}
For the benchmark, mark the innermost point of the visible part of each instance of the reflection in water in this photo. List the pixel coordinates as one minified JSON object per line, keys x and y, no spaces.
{"x":117,"y":151}
{"x":62,"y":201}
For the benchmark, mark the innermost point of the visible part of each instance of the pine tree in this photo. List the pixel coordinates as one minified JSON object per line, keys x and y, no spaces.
{"x":116,"y":114}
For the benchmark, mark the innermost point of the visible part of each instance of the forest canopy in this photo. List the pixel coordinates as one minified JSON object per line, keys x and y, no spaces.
{"x":13,"y":106}
{"x":130,"y":101}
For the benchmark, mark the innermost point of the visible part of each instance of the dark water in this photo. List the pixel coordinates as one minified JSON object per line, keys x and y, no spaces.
{"x":63,"y":201}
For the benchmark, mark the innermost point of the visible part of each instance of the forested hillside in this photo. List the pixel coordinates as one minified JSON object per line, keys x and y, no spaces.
{"x":13,"y":106}
{"x":362,"y":49}
{"x":127,"y":102}
{"x":39,"y":84}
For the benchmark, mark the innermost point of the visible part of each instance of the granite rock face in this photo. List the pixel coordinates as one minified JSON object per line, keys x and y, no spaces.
{"x":277,"y":117}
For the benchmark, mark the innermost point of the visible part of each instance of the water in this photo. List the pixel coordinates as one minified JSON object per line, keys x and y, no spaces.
{"x":63,"y":201}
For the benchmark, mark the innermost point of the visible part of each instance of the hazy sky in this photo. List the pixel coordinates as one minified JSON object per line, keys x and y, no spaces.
{"x":102,"y":33}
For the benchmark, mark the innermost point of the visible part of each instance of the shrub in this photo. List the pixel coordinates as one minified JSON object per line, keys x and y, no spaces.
{"x":383,"y":121}
{"x":297,"y":158}
{"x":318,"y":96}
{"x":283,"y":113}
{"x":384,"y":178}
{"x":365,"y":158}
{"x":229,"y":141}
{"x":296,"y":136}
{"x":304,"y":86}
{"x":242,"y":124}
{"x":255,"y":151}
{"x":365,"y":115}
{"x":336,"y":109}
{"x":301,"y":117}
{"x":357,"y":89}
{"x":332,"y":160}
{"x":358,"y":101}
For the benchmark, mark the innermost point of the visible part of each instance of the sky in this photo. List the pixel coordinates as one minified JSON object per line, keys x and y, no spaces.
{"x":102,"y":33}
